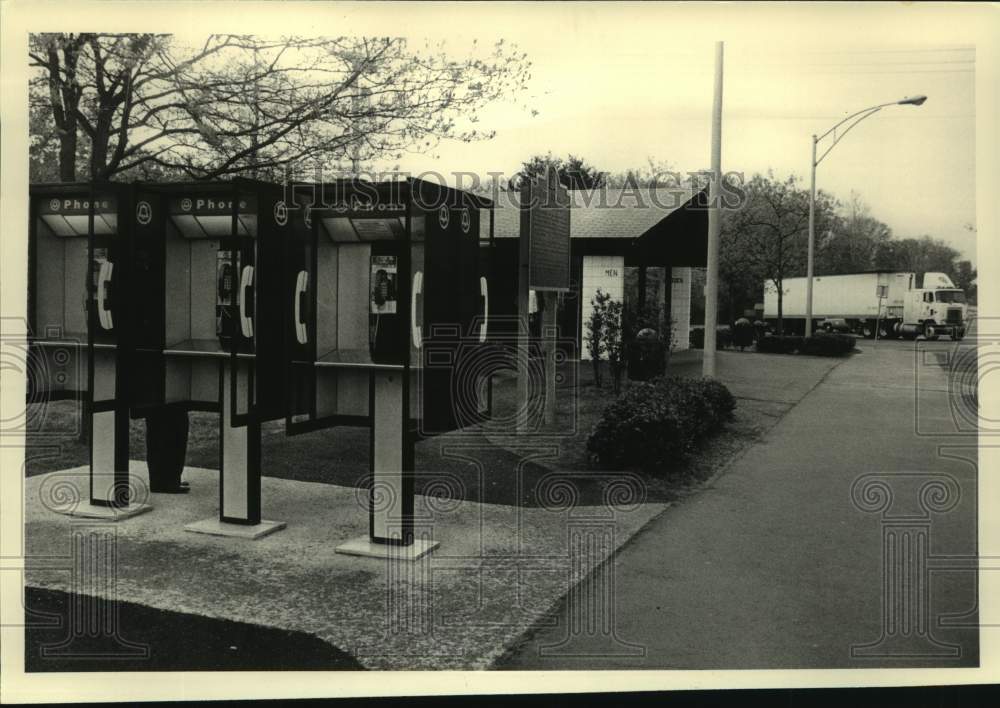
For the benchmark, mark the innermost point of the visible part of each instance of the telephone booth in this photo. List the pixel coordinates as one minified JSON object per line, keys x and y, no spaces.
{"x":207,"y":319}
{"x":385,"y":315}
{"x":78,"y":279}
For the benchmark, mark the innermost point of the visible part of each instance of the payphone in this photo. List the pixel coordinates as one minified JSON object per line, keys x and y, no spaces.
{"x":371,"y":276}
{"x":78,"y":276}
{"x":390,"y":271}
{"x":356,"y":304}
{"x":215,"y":342}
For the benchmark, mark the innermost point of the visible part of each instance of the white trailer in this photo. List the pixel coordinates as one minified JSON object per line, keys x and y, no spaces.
{"x":902,"y":310}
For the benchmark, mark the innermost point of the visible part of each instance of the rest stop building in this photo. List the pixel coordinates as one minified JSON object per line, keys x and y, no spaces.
{"x":639,"y":245}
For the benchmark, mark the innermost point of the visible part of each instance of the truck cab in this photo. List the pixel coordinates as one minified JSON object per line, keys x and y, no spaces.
{"x":936,"y":308}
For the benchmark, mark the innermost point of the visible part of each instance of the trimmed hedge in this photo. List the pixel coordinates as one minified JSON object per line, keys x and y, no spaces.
{"x":654,"y":424}
{"x":824,"y":344}
{"x":723,"y":337}
{"x":828,"y":344}
{"x":773,"y":344}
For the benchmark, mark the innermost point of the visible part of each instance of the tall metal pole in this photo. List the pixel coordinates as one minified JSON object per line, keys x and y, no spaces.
{"x":856,"y":118}
{"x":714,"y":223}
{"x":812,"y":242}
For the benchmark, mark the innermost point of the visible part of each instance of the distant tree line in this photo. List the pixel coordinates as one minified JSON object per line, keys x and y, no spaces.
{"x":766,"y":238}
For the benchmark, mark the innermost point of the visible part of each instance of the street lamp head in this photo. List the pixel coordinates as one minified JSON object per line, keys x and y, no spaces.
{"x":913,"y":101}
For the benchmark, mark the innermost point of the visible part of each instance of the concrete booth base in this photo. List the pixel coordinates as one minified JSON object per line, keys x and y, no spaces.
{"x":108,"y":513}
{"x":214,"y":527}
{"x":363,"y":546}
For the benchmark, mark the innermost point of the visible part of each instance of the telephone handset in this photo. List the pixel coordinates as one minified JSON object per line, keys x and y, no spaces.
{"x":245,"y":302}
{"x":301,"y":288}
{"x":104,"y":314}
{"x":416,"y":329}
{"x":484,"y":292}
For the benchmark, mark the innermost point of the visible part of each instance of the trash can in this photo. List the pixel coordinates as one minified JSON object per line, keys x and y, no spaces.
{"x":166,"y":448}
{"x":743,"y":333}
{"x":646,"y":356}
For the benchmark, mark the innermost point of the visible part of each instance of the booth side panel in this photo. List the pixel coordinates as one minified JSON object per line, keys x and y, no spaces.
{"x":270,"y":305}
{"x":48,"y":315}
{"x":74,"y":284}
{"x":451,"y":284}
{"x":202,"y":295}
{"x":326,"y":284}
{"x":470,"y":300}
{"x":146,"y":306}
{"x":49,"y":282}
{"x":177,"y":286}
{"x":352,"y":296}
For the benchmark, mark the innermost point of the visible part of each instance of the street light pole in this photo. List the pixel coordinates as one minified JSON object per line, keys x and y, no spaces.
{"x":814,"y":162}
{"x":812,"y":243}
{"x":714,"y":223}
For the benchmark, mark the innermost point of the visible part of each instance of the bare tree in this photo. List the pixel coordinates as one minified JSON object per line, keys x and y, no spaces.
{"x":239,"y":104}
{"x":769,"y":232}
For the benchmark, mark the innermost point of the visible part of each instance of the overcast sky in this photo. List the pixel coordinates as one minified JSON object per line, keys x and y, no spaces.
{"x":620,"y":99}
{"x":619,"y":82}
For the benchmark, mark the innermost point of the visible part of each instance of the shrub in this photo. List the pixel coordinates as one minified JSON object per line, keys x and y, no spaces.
{"x":655,"y":424}
{"x":832,"y":344}
{"x":614,"y":342}
{"x":594,"y":333}
{"x":774,"y":344}
{"x":723,"y":337}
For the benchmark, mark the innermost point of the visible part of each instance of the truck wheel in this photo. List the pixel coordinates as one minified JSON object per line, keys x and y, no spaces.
{"x":957,"y":335}
{"x":867,"y":331}
{"x":884,"y":332}
{"x":930,"y":333}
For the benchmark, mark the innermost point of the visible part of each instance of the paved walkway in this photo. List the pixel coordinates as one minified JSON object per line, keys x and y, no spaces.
{"x":774,"y":565}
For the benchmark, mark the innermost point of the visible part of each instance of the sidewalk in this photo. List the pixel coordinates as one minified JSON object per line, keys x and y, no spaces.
{"x":773,"y":565}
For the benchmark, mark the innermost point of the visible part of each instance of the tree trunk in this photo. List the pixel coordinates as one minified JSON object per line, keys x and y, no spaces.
{"x":99,"y":149}
{"x":781,"y":327}
{"x":67,"y":153}
{"x":64,"y":98}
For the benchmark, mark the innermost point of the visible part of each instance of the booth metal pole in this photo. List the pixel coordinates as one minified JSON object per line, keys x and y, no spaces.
{"x":390,"y":499}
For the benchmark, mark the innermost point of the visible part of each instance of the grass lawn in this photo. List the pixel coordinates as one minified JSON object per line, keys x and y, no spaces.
{"x":479,"y":465}
{"x":150,"y":639}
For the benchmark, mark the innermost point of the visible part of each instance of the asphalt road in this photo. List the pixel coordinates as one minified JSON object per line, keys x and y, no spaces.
{"x":776,"y":565}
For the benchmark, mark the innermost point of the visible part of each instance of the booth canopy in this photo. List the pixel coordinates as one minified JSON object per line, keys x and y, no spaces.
{"x":66,"y":208}
{"x":650,"y":227}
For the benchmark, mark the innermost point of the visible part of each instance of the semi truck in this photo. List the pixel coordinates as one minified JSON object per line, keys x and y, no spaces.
{"x":891,"y":304}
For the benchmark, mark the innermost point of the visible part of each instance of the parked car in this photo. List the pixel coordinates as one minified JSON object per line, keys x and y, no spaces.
{"x":835,"y":324}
